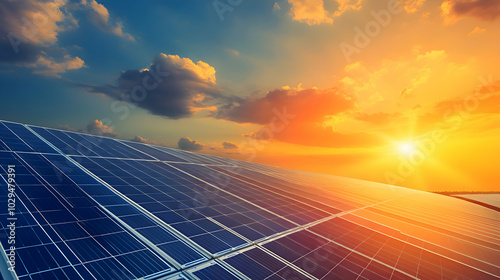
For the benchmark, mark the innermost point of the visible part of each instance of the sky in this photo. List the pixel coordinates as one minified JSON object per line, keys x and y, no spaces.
{"x":404,"y":92}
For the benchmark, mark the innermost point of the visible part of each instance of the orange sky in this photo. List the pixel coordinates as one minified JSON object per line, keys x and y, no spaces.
{"x":426,"y":80}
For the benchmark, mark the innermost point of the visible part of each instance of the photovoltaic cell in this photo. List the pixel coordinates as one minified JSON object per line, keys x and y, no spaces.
{"x":154,"y":152}
{"x":48,"y":242}
{"x":71,"y":143}
{"x":257,"y":264}
{"x":133,"y":217}
{"x":99,"y":208}
{"x":214,"y":271}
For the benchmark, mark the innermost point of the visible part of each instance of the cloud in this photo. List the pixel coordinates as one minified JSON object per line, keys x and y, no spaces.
{"x":228,"y":145}
{"x":377,"y":118}
{"x":346,"y":5}
{"x":485,"y":100}
{"x":99,"y":16}
{"x":96,"y":127}
{"x":412,"y":6}
{"x":233,"y":52}
{"x":276,"y":7}
{"x":453,"y":10}
{"x":48,"y":66}
{"x":313,"y":12}
{"x":189,"y":145}
{"x":143,"y":140}
{"x":307,"y":105}
{"x":37,"y":22}
{"x":310,"y":111}
{"x":314,"y":134}
{"x":28,"y":34}
{"x":476,"y":31}
{"x":172,"y":87}
{"x":67,"y":127}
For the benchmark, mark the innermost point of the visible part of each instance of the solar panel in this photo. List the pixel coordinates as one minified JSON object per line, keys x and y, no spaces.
{"x":91,"y":207}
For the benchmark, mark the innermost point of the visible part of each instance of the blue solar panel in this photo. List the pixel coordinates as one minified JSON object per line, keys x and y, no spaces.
{"x":59,"y":223}
{"x":257,"y":264}
{"x":214,"y":271}
{"x":80,"y":144}
{"x":100,"y":208}
{"x":10,"y":141}
{"x":290,"y":208}
{"x":134,"y":217}
{"x":36,"y":144}
{"x":154,"y":152}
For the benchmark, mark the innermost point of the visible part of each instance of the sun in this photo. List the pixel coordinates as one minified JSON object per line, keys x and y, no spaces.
{"x":406,"y":148}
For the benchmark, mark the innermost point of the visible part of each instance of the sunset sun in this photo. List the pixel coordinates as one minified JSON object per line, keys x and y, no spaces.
{"x":406,"y":148}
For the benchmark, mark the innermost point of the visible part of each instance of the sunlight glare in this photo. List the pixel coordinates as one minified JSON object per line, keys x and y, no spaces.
{"x":406,"y":148}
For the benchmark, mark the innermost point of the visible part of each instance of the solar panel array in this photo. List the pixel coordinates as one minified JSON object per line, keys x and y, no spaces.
{"x":90,"y":207}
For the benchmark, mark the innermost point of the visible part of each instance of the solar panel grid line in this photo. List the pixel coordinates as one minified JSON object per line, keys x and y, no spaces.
{"x":426,"y":250}
{"x":439,"y":231}
{"x":458,"y":220}
{"x":399,"y":257}
{"x":282,"y":206}
{"x":157,"y":250}
{"x":170,"y":152}
{"x":371,"y":259}
{"x":280,"y":190}
{"x":272,"y":191}
{"x":404,"y":220}
{"x":189,"y":156}
{"x":208,"y":254}
{"x":342,"y":183}
{"x":143,"y":240}
{"x":153,"y":217}
{"x":82,"y":147}
{"x":115,"y":256}
{"x":455,"y":236}
{"x":179,"y":276}
{"x":291,"y":265}
{"x":16,"y":137}
{"x":231,"y":269}
{"x":43,"y":129}
{"x":317,"y":257}
{"x":196,"y":272}
{"x":364,"y":255}
{"x":259,"y":244}
{"x":132,"y":146}
{"x":493,"y":234}
{"x":5,"y":272}
{"x":249,"y":202}
{"x":251,"y":246}
{"x":424,"y":241}
{"x":53,"y":140}
{"x":243,"y":252}
{"x":348,"y":196}
{"x":471,"y":217}
{"x":23,"y":134}
{"x":290,"y":189}
{"x":48,"y":236}
{"x":232,"y":231}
